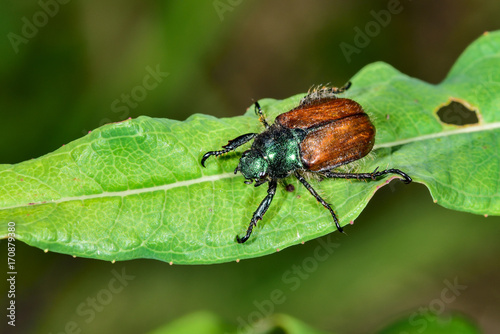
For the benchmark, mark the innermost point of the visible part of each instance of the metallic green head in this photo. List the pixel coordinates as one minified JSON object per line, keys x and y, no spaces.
{"x":252,"y":165}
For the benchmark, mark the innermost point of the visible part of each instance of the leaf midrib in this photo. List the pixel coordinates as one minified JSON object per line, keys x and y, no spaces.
{"x":464,"y":129}
{"x":129,"y":192}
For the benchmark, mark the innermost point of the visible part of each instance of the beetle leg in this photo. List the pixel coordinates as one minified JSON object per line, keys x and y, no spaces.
{"x":323,"y":93}
{"x":231,"y":146}
{"x":329,"y":91}
{"x":259,"y":182}
{"x":319,"y":199}
{"x":406,"y":178}
{"x":262,"y":118}
{"x":342,"y":89}
{"x":261,"y":210}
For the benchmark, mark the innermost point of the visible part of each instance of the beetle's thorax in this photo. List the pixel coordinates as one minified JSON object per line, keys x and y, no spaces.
{"x":274,"y":152}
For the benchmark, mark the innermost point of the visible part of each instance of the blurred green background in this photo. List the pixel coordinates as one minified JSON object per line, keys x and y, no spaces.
{"x":74,"y":72}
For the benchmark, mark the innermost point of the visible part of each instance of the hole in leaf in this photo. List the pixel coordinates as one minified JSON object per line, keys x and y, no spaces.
{"x":455,"y":113}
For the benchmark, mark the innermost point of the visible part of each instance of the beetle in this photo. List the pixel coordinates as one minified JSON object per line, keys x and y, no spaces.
{"x":322,"y":133}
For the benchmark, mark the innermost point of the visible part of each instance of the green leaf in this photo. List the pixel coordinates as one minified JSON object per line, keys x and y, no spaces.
{"x":283,"y":323}
{"x":206,"y":322}
{"x":419,"y":323}
{"x":199,"y":322}
{"x":428,"y":323}
{"x":136,"y":189}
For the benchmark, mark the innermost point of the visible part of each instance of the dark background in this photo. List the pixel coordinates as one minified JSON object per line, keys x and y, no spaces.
{"x":62,"y":82}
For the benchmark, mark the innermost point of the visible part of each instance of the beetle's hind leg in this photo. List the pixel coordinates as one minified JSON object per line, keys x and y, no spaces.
{"x":230,"y":146}
{"x":261,"y":210}
{"x":372,"y":176}
{"x":319,"y":199}
{"x":339,"y":90}
{"x":323,"y":93}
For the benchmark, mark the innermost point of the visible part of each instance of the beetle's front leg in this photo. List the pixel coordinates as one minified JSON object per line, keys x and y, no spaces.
{"x":230,"y":146}
{"x":406,"y":178}
{"x":261,"y":210}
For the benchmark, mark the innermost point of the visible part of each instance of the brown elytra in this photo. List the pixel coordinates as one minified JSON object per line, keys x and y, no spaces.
{"x":338,"y":132}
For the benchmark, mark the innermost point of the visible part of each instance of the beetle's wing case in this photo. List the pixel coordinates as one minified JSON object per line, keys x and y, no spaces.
{"x":338,"y":143}
{"x":318,"y":112}
{"x":339,"y":132}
